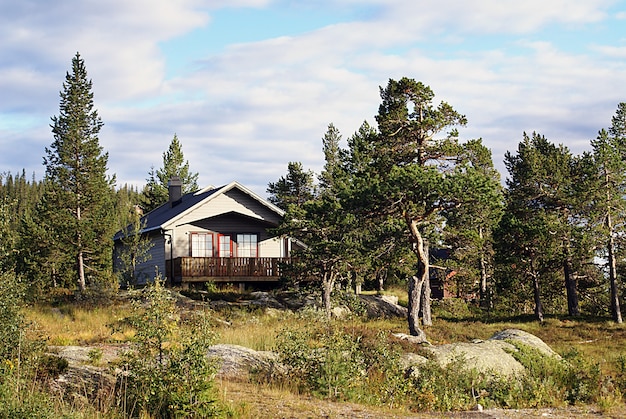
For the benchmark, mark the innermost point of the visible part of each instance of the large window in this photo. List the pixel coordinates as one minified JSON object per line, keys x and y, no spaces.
{"x":247,"y":245}
{"x":202,"y":245}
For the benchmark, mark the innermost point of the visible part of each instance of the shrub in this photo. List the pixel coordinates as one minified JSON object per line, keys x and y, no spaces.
{"x":331,"y":363}
{"x":167,"y":374}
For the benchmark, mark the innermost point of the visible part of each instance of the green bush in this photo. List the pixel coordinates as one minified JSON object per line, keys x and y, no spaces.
{"x":167,"y":374}
{"x":328,"y":362}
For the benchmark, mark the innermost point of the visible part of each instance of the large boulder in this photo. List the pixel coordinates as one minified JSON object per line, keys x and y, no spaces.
{"x":237,"y":362}
{"x":492,"y":356}
{"x":82,"y":382}
{"x":383,"y":306}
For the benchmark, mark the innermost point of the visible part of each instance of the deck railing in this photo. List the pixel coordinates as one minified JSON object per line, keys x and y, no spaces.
{"x":196,"y":268}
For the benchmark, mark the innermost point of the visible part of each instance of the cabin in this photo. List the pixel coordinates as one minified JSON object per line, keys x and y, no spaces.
{"x":212,"y":235}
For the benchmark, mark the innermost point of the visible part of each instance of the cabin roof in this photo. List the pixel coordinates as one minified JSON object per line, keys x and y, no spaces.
{"x":167,"y":213}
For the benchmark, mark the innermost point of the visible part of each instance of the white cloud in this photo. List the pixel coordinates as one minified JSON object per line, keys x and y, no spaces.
{"x":245,"y":111}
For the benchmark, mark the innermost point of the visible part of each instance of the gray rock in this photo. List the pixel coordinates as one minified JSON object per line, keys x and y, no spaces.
{"x":237,"y":362}
{"x":383,"y":306}
{"x":526,"y":338}
{"x":492,"y":356}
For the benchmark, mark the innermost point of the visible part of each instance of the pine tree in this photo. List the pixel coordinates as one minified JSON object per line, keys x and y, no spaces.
{"x":293,"y":189}
{"x":407,"y":181}
{"x":77,"y":205}
{"x":174,"y":164}
{"x":607,"y":186}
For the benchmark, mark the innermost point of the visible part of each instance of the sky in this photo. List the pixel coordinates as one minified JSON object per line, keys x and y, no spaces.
{"x":251,"y":85}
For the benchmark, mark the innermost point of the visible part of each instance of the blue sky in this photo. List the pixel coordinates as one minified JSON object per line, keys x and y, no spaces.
{"x":250,"y":85}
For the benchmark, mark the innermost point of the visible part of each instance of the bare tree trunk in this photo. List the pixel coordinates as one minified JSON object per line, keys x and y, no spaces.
{"x":415,"y":292}
{"x":81,"y":271}
{"x":328,"y":283}
{"x":482,"y":265}
{"x":427,"y":319}
{"x":616,"y":311}
{"x":537,"y":293}
{"x":381,"y":275}
{"x":484,"y":296}
{"x":417,"y":282}
{"x":80,"y":259}
{"x":570,"y":287}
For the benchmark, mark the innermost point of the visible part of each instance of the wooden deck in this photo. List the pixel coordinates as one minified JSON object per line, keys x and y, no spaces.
{"x":237,"y":269}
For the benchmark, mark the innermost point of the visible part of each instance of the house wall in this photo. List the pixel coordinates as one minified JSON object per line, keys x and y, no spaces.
{"x":155,"y":262}
{"x":268,"y":246}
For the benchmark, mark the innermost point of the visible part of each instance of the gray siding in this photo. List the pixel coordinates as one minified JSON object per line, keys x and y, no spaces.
{"x":226,"y":224}
{"x":147,"y":270}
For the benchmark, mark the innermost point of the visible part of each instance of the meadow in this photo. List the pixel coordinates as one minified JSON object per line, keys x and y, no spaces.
{"x":595,"y":344}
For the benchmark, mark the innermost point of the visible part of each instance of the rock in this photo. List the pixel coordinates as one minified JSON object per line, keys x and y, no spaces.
{"x":82,"y":383}
{"x":265,"y":300}
{"x":340,"y":312}
{"x":525,"y":338}
{"x":237,"y":362}
{"x":383,"y":306}
{"x":492,"y":356}
{"x":417,"y":340}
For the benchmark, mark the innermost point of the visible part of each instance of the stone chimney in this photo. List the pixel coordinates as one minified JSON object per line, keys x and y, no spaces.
{"x":175,"y":187}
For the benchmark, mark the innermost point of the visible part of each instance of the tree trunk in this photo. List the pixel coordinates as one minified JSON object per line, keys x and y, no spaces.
{"x":616,"y":311}
{"x":415,"y":292}
{"x":381,"y":275}
{"x":482,"y":266}
{"x":328,"y":283}
{"x":80,"y":258}
{"x":537,"y":294}
{"x":417,"y":282}
{"x":427,"y":319}
{"x":81,"y":271}
{"x":484,"y":300}
{"x":570,"y":287}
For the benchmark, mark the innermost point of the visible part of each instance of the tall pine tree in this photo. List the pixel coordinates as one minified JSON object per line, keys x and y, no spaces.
{"x":407,"y":179}
{"x":174,"y":164}
{"x":608,"y":186}
{"x":77,"y":205}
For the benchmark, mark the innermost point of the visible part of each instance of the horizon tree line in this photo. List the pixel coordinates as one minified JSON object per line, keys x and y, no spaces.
{"x":552,"y":234}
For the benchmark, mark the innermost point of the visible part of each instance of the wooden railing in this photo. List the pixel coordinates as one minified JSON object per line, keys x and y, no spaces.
{"x":199,"y":268}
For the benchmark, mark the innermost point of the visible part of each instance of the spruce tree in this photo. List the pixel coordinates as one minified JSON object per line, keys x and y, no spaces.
{"x":174,"y":164}
{"x":77,"y":204}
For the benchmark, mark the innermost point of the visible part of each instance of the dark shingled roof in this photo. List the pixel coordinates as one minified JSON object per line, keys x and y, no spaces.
{"x":160,"y":215}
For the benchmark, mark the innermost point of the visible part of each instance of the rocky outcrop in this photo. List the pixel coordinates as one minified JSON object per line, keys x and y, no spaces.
{"x":237,"y":362}
{"x":492,"y":356}
{"x":82,"y":382}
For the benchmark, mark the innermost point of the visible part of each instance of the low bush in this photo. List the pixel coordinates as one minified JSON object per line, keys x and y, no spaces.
{"x":334,"y":364}
{"x":167,"y":374}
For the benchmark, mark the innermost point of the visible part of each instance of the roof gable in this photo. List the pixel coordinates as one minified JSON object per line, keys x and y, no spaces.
{"x":166,"y":216}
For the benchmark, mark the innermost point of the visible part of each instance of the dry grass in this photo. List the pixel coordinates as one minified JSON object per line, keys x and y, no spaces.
{"x":599,"y":340}
{"x":76,"y":325}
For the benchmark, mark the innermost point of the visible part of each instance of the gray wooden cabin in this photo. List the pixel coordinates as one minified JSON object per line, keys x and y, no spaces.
{"x":214,"y":234}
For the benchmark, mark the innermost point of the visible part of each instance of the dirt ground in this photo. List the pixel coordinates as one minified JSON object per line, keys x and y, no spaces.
{"x":251,"y":401}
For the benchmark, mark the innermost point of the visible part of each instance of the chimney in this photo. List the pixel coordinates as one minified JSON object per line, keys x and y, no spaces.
{"x":175,"y":187}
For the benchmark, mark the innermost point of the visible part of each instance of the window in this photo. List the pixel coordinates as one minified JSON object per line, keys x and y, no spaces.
{"x":225,"y":246}
{"x":247,"y":245}
{"x":202,"y":245}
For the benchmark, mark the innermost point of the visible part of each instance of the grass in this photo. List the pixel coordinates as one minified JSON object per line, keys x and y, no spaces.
{"x":70,"y":324}
{"x":598,"y":340}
